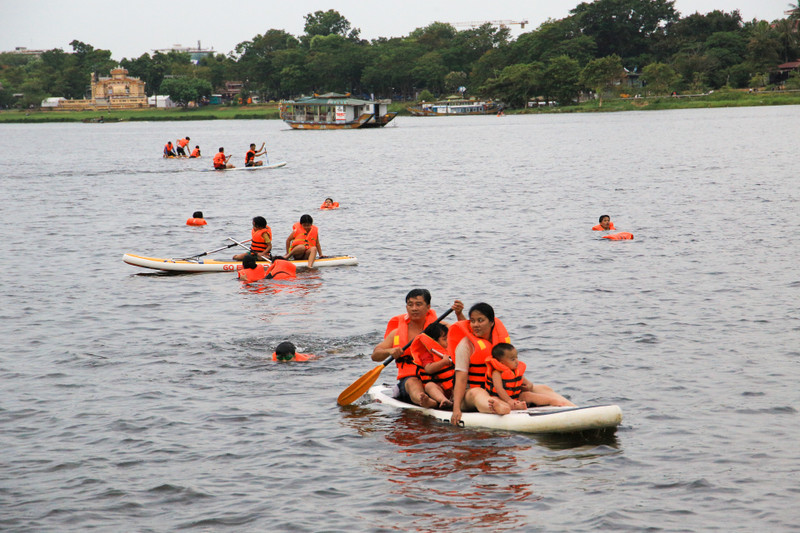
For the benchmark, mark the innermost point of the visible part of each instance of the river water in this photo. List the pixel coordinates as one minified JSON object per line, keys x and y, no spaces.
{"x":135,"y":401}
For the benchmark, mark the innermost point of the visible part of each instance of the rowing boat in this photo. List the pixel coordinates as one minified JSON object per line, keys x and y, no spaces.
{"x":533,"y":420}
{"x":213,"y":265}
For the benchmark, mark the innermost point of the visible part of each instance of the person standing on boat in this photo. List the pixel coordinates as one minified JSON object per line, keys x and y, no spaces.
{"x":470,"y":342}
{"x":260,"y":241}
{"x":250,"y":156}
{"x":303,"y":242}
{"x":221,"y":160}
{"x":399,"y":331}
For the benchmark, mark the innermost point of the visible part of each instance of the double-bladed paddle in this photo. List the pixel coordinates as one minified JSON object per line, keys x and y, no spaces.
{"x":210,"y":251}
{"x":362,"y":384}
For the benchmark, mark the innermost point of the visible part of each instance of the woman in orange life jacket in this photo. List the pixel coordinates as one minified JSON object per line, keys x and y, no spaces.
{"x":251,"y":271}
{"x":182,"y":143}
{"x":329,"y":204}
{"x":250,"y":156}
{"x":505,"y":378}
{"x":429,"y":351}
{"x":286,"y":351}
{"x":260,"y":240}
{"x":195,"y":152}
{"x":399,"y":331}
{"x":196,"y":220}
{"x":303,"y":242}
{"x":221,"y":160}
{"x":470,"y":342}
{"x":605,"y":224}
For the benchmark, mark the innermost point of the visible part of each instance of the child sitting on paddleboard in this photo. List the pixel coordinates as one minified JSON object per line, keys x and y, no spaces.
{"x":429,"y":351}
{"x":286,"y":351}
{"x":505,"y":379}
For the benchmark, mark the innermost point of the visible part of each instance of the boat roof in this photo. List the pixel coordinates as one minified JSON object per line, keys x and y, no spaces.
{"x":329,"y":99}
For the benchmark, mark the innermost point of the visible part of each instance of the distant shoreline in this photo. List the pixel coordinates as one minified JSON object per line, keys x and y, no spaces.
{"x":733,"y":98}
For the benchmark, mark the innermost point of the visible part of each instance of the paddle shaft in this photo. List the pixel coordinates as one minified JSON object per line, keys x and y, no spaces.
{"x":212,"y":251}
{"x":408,"y":345}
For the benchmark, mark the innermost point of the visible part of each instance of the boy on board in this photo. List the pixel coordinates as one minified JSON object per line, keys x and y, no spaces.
{"x":169,"y":150}
{"x":303,"y":242}
{"x":195,"y":152}
{"x":182,"y":143}
{"x":250,"y":156}
{"x":505,"y":379}
{"x":286,"y":351}
{"x":260,"y":241}
{"x":605,"y":224}
{"x":399,"y":331}
{"x":429,"y":351}
{"x":221,"y":160}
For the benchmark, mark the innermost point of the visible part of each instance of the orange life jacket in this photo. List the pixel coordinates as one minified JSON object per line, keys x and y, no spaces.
{"x":334,"y":205}
{"x":297,"y":357}
{"x":405,"y":364}
{"x":249,"y":156}
{"x":195,"y":152}
{"x":249,"y":275}
{"x":601,"y":228}
{"x":424,"y":344}
{"x":482,"y":348}
{"x":196,"y":222}
{"x":258,"y":241}
{"x":512,"y":379}
{"x":621,"y":236}
{"x":301,"y":237}
{"x":182,"y":143}
{"x":280,"y":269}
{"x":168,"y":149}
{"x":219,"y":160}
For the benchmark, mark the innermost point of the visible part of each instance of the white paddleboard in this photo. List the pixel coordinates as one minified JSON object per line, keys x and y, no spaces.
{"x":279,"y":164}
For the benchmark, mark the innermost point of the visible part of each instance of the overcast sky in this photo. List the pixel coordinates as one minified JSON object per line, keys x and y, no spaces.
{"x":130,"y":29}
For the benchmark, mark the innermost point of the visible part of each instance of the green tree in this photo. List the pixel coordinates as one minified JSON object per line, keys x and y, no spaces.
{"x":516,"y":84}
{"x":560,"y":80}
{"x":453,"y":80}
{"x":659,"y":78}
{"x":552,"y":39}
{"x":185,"y":90}
{"x":601,"y":74}
{"x":329,"y":22}
{"x":429,"y":72}
{"x":426,"y":96}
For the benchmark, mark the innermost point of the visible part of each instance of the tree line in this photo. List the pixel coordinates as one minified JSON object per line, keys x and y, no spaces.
{"x":591,"y":49}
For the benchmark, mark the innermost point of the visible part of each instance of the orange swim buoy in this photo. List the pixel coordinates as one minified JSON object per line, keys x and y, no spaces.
{"x":621,"y":236}
{"x":196,"y":222}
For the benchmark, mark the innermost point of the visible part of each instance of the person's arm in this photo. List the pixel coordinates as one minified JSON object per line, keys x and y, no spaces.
{"x":463,"y":352}
{"x":436,"y":366}
{"x":319,"y":248}
{"x":289,"y":240}
{"x":385,"y":349}
{"x":497,"y":381}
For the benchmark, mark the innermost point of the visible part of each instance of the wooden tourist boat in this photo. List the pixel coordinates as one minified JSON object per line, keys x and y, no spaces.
{"x":334,"y":111}
{"x":453,"y":105}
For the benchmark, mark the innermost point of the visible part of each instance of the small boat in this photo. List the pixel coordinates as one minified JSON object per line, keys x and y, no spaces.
{"x":533,"y":420}
{"x":213,"y":265}
{"x":334,"y":111}
{"x":453,"y":105}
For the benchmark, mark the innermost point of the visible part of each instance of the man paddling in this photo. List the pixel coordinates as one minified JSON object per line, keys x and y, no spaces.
{"x":252,"y":153}
{"x":221,"y":160}
{"x":400,"y":330}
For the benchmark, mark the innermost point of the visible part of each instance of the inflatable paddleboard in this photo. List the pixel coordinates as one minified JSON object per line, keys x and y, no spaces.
{"x":279,"y":164}
{"x":212,"y":265}
{"x":533,"y":420}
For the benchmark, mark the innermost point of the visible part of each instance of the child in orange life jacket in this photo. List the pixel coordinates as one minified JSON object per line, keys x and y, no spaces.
{"x":195,"y":152}
{"x":251,"y":271}
{"x":286,"y":351}
{"x":605,"y":224}
{"x":196,"y":220}
{"x":303,"y":242}
{"x":505,"y":379}
{"x":429,"y":351}
{"x":260,"y":240}
{"x":329,"y":204}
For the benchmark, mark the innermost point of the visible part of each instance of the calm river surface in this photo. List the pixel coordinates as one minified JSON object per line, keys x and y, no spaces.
{"x":134,"y":401}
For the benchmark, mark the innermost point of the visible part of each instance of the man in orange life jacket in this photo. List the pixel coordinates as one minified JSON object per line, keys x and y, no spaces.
{"x":605,"y":224}
{"x":250,"y":156}
{"x":260,"y":241}
{"x":182,"y":143}
{"x":400,"y":330}
{"x":221,"y":160}
{"x":169,"y":151}
{"x":303,"y":242}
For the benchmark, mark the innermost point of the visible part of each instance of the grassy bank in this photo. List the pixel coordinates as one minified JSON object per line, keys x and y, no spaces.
{"x":270,"y":111}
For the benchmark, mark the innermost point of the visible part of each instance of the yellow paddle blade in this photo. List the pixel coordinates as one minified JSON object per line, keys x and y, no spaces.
{"x":362,"y":385}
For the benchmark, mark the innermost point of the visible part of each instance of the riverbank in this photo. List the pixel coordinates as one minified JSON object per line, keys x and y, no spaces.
{"x":271,"y":112}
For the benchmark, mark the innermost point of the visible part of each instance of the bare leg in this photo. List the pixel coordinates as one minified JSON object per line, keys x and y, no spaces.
{"x":312,"y":256}
{"x":479,"y":399}
{"x":298,"y":252}
{"x":417,"y":393}
{"x":544,"y":395}
{"x":436,"y":392}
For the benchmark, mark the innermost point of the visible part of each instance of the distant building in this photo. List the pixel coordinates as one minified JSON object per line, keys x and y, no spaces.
{"x":196,"y":54}
{"x":783,"y":72}
{"x":21,"y":50}
{"x":119,"y":91}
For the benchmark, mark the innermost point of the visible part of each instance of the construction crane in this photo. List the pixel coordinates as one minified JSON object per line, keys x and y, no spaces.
{"x":499,"y":23}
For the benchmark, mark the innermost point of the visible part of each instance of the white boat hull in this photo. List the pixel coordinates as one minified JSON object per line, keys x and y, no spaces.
{"x":212,"y":265}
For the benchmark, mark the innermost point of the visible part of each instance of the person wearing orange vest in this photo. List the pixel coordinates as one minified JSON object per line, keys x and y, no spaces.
{"x":329,"y":204}
{"x":281,"y":269}
{"x":182,"y":145}
{"x":195,"y":152}
{"x":303,"y":242}
{"x":470,"y":342}
{"x":505,"y":378}
{"x":197,"y":219}
{"x":286,"y":351}
{"x":399,"y":331}
{"x":621,"y":236}
{"x":250,"y":156}
{"x":605,"y":224}
{"x":169,"y":151}
{"x":251,"y":271}
{"x":221,"y":160}
{"x":260,"y":241}
{"x":429,"y":351}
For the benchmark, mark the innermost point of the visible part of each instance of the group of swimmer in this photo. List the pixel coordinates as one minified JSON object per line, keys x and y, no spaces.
{"x":180,"y":148}
{"x":466,"y":366}
{"x":222,"y":161}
